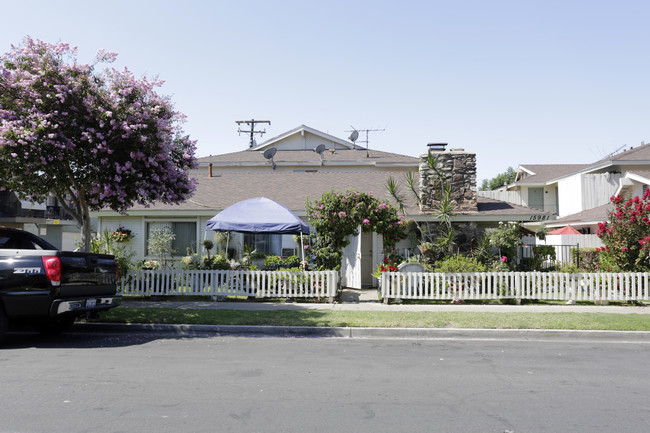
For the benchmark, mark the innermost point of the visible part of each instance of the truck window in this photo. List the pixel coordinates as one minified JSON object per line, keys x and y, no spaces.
{"x":10,"y":241}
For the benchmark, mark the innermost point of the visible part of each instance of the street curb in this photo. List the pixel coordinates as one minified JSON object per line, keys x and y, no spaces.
{"x":370,"y":333}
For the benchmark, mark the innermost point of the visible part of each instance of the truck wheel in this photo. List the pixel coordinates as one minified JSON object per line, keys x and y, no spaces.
{"x":56,"y":326}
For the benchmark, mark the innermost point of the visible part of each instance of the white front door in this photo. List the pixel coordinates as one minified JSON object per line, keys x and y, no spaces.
{"x":367,"y":279}
{"x":351,"y":263}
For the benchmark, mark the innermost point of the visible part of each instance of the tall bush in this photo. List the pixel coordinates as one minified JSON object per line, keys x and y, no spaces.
{"x":626,"y":236}
{"x":506,"y":238}
{"x":337,"y":215}
{"x":160,"y":246}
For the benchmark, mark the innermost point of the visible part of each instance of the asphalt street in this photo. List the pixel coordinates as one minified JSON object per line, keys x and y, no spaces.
{"x":155,"y":381}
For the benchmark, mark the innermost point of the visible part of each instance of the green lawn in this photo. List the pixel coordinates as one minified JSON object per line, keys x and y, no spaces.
{"x":387,"y":319}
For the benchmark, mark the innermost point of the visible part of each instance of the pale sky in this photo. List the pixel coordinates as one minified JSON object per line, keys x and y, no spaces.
{"x":513,"y":81}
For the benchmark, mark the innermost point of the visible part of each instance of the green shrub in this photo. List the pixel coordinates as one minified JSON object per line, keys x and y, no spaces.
{"x":506,"y":237}
{"x":588,"y":259}
{"x":567,"y":268}
{"x":499,"y":265}
{"x":541,"y":254}
{"x":105,"y":243}
{"x":271,"y":263}
{"x":213,"y":262}
{"x":459,"y":264}
{"x":216,"y":262}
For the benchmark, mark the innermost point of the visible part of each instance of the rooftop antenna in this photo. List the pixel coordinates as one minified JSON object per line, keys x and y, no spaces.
{"x":269,"y":154}
{"x":355,"y":136}
{"x":616,"y":151}
{"x":252,"y":131}
{"x":319,"y":150}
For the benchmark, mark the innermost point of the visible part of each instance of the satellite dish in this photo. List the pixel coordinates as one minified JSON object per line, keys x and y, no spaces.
{"x":269,"y":154}
{"x":354,"y":136}
{"x":319,"y":150}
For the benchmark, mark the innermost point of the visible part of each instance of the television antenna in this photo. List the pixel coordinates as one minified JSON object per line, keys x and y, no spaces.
{"x":269,"y":154}
{"x":252,"y":131}
{"x":615,"y":152}
{"x":354,"y":137}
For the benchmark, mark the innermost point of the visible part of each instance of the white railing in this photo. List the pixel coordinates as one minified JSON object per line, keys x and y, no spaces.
{"x":259,"y":284}
{"x":592,"y":287}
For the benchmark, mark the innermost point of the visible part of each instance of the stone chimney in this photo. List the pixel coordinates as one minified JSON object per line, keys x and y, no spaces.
{"x":455,"y":168}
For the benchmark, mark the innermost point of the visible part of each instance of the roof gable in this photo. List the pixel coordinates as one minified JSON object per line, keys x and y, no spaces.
{"x":540,"y":174}
{"x":543,"y":173}
{"x":305,"y":138}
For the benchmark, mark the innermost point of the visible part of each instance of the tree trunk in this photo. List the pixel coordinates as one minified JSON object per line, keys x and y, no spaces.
{"x":81,"y":214}
{"x":85,"y":232}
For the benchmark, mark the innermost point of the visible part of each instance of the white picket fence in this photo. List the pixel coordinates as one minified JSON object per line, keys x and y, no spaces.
{"x":259,"y":284}
{"x":592,"y":287}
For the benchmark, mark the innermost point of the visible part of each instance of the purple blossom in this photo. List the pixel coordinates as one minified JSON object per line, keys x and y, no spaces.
{"x":73,"y":127}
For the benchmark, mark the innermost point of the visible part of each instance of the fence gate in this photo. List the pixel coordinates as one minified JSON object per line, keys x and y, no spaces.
{"x":351,"y":263}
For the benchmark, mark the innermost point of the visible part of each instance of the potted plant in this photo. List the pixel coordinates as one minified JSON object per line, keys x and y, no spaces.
{"x":121,"y":234}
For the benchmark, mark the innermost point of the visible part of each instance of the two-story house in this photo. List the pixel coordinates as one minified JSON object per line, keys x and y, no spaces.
{"x":47,"y":220}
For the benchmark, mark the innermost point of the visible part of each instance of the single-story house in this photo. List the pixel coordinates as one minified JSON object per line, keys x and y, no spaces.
{"x":305,"y":164}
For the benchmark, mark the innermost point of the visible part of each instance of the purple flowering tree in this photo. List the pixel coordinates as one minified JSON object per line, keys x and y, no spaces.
{"x":92,"y":138}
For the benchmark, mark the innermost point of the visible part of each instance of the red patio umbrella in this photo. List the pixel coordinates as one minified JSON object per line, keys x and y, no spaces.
{"x":568,"y":230}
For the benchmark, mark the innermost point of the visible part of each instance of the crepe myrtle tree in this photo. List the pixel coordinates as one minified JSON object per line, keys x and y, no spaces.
{"x":92,"y":138}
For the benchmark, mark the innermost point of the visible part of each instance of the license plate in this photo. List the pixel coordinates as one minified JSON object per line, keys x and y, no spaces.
{"x":91,"y":303}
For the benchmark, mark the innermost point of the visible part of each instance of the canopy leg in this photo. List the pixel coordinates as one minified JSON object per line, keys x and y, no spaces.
{"x":205,"y":236}
{"x":302,"y":250}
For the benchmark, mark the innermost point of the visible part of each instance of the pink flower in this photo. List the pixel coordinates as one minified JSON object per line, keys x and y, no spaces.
{"x":366,"y":221}
{"x":504,"y":259}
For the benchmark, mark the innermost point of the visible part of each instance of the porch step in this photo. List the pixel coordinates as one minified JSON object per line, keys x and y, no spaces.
{"x":355,"y":296}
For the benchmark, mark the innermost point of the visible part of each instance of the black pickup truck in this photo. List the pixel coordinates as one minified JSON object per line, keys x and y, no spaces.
{"x":48,"y":288}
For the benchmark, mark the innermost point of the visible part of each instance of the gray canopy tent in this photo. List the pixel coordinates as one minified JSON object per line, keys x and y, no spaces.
{"x":258,"y":215}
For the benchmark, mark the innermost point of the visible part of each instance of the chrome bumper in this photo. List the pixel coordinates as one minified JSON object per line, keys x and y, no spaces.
{"x":80,"y":305}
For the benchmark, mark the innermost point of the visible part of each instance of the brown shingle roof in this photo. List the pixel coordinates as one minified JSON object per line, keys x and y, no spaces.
{"x":641,"y":153}
{"x":291,"y":189}
{"x":490,"y":206}
{"x":597,"y":214}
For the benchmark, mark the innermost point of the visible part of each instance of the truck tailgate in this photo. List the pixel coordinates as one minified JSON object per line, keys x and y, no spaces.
{"x":86,"y":274}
